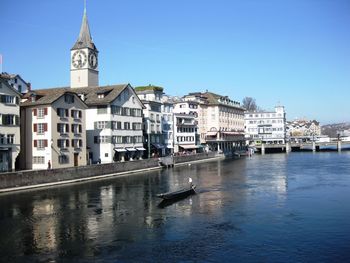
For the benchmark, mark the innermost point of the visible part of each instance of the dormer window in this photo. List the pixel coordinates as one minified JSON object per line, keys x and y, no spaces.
{"x":32,"y":97}
{"x":68,"y":98}
{"x":100,"y":96}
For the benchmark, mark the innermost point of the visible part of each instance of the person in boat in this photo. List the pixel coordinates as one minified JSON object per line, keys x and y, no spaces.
{"x":190,"y":182}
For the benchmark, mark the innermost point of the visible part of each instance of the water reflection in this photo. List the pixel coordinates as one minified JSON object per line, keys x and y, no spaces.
{"x":239,"y":203}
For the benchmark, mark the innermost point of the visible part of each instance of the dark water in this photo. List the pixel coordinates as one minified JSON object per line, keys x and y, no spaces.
{"x":272,"y":208}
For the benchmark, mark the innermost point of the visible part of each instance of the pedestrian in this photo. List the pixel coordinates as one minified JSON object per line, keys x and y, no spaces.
{"x":48,"y":165}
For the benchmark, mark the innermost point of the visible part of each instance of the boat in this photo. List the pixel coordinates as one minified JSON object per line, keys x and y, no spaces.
{"x":178,"y":194}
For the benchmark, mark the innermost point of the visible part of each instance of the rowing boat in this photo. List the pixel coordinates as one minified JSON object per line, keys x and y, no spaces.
{"x":178,"y":194}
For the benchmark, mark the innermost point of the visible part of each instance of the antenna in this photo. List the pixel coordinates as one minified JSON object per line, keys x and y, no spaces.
{"x":84,"y":6}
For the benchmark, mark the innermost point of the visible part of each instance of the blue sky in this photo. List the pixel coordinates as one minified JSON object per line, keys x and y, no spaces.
{"x":296,"y":53}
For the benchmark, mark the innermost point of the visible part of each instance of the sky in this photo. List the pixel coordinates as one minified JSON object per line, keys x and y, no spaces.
{"x":294,"y":53}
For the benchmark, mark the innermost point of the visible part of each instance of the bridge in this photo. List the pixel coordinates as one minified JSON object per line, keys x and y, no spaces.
{"x":314,"y":146}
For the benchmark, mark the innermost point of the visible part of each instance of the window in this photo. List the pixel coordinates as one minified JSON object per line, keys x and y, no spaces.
{"x":10,"y":119}
{"x":62,"y":159}
{"x":102,"y":139}
{"x":69,"y":98}
{"x":62,"y":143}
{"x":116,"y":110}
{"x":127,"y":139}
{"x":101,"y":124}
{"x":41,"y":128}
{"x":63,"y":113}
{"x":137,"y":139}
{"x":76,"y":114}
{"x":126,"y":111}
{"x":136,"y":126}
{"x":10,"y":138}
{"x":41,"y":112}
{"x":2,"y":139}
{"x":118,"y":125}
{"x":117,"y":139}
{"x":62,"y":127}
{"x":38,"y":159}
{"x":77,"y":143}
{"x":7,"y":99}
{"x":137,"y":112}
{"x":126,"y":125}
{"x":101,"y":109}
{"x":40,"y":144}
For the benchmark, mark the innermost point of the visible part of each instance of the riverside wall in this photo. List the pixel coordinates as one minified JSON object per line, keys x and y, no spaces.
{"x":18,"y":180}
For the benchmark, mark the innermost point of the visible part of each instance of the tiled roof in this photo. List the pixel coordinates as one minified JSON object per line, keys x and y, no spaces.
{"x":48,"y":96}
{"x":214,"y":99}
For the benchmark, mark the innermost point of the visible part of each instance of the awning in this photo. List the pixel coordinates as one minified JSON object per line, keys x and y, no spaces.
{"x":140,"y":149}
{"x":170,"y":147}
{"x":190,"y":146}
{"x":130,"y":149}
{"x":120,"y":150}
{"x":211,"y":133}
{"x":232,"y":133}
{"x":158,"y":146}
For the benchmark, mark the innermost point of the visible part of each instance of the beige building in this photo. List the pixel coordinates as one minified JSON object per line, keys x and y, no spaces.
{"x":220,"y":121}
{"x":9,"y":126}
{"x":53,"y":129}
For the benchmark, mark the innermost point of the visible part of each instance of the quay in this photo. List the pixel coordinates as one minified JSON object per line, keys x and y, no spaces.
{"x":23,"y":180}
{"x":311,"y":146}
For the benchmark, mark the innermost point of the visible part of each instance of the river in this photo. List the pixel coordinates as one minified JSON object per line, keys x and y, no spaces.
{"x":269,"y":208}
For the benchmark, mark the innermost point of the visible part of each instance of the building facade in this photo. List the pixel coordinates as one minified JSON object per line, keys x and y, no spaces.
{"x":114,"y":123}
{"x":186,"y":126}
{"x":9,"y":126}
{"x":268,"y":127}
{"x":53,"y":133}
{"x":151,"y":97}
{"x":302,"y":129}
{"x":220,"y":121}
{"x":168,"y":124}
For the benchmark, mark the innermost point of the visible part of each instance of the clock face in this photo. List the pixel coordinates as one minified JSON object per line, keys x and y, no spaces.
{"x":93,"y":60}
{"x":79,"y":59}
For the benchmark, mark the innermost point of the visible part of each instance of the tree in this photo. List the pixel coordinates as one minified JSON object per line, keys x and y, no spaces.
{"x":249,"y":104}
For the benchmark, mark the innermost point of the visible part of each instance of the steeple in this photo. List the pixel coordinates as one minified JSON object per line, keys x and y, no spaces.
{"x":84,"y":39}
{"x":84,"y":58}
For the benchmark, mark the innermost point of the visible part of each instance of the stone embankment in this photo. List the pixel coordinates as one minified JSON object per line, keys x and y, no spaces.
{"x":22,"y":180}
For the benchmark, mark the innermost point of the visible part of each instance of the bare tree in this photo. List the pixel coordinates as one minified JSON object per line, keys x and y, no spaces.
{"x":249,"y":104}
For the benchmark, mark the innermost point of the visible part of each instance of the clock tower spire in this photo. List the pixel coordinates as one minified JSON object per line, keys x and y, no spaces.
{"x":84,"y":58}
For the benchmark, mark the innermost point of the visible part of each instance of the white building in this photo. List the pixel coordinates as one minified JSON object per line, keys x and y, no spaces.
{"x":52,"y":129}
{"x":185,"y":133}
{"x":266,"y":126}
{"x":186,"y":126}
{"x":151,"y":97}
{"x":16,"y":82}
{"x":9,"y":126}
{"x":114,"y":123}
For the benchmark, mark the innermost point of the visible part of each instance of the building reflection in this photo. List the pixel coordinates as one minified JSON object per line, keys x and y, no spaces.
{"x":76,"y":220}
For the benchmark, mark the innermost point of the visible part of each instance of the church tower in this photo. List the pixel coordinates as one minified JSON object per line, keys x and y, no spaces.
{"x":84,"y":59}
